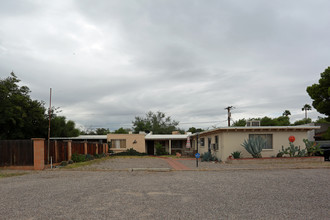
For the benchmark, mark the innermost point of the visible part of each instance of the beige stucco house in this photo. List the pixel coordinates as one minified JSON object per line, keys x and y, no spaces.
{"x":221,"y":142}
{"x":145,"y":143}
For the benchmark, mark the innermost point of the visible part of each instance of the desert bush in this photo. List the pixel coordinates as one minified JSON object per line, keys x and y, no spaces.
{"x":78,"y":158}
{"x":207,"y":156}
{"x":293,"y":151}
{"x":64,"y":163}
{"x":254,"y":146}
{"x":89,"y":157}
{"x":160,"y":150}
{"x":312,"y":148}
{"x":130,"y":152}
{"x":236,"y":154}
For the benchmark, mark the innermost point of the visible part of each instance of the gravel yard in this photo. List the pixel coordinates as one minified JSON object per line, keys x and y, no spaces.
{"x":219,"y":166}
{"x":240,"y":194}
{"x":126,"y":163}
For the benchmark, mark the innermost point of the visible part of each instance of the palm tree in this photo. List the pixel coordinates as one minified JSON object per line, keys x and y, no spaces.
{"x":286,"y":113}
{"x":306,"y":108}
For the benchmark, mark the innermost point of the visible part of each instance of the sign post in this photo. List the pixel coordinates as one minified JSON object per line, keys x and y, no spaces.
{"x":197,"y":155}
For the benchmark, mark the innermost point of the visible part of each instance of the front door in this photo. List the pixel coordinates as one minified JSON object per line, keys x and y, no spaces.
{"x":209,"y":144}
{"x":150,"y":148}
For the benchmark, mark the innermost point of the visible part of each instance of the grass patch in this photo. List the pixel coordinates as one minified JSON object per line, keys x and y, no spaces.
{"x":128,"y":157}
{"x":4,"y":175}
{"x":85,"y":163}
{"x":169,"y":156}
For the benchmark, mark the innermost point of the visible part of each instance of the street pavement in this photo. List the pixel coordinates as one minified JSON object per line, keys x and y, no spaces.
{"x":216,"y":194}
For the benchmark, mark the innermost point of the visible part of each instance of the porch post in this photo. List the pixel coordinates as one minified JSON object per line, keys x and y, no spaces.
{"x":38,"y":153}
{"x":69,"y":149}
{"x":85,"y":147}
{"x":170,"y":146}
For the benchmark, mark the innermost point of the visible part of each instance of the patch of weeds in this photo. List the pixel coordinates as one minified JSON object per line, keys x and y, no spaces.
{"x":4,"y":175}
{"x":130,"y":152}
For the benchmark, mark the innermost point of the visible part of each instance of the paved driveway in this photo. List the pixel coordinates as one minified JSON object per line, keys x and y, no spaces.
{"x":120,"y":163}
{"x":250,"y":194}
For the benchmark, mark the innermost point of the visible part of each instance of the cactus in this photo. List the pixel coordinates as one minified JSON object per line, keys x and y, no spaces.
{"x":312,"y":148}
{"x":293,"y":151}
{"x":254,"y":146}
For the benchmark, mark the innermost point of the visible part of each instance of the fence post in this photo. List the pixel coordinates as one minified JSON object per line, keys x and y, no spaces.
{"x":56,"y":152}
{"x":38,"y":153}
{"x":69,"y":149}
{"x":85,"y":147}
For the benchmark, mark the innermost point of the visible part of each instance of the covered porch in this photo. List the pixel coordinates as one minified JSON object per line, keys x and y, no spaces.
{"x":172,"y":144}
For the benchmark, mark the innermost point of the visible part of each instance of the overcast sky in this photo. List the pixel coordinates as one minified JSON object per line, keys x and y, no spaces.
{"x":109,"y":61}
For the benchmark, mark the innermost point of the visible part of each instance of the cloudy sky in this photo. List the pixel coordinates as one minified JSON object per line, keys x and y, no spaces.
{"x":109,"y":61}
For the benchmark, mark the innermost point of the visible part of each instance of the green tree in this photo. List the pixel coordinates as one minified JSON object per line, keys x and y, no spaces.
{"x":122,"y":131}
{"x":306,"y":108}
{"x":303,"y":121}
{"x":286,"y":113}
{"x":239,"y":123}
{"x":24,"y":118}
{"x":157,"y":122}
{"x":102,"y":131}
{"x":282,"y":121}
{"x":20,"y":116}
{"x":195,"y":130}
{"x":320,"y":93}
{"x":60,"y":127}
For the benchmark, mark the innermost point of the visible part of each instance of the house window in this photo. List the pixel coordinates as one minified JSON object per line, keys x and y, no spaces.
{"x":176,"y":144}
{"x":216,"y":143}
{"x":202,"y":142}
{"x":118,"y":143}
{"x":267,"y":137}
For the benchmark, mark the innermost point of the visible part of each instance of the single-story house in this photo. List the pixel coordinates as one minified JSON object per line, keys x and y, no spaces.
{"x":145,"y":143}
{"x":221,"y":142}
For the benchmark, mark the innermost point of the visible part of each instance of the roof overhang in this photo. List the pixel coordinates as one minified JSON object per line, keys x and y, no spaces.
{"x":166,"y":137}
{"x":258,"y":128}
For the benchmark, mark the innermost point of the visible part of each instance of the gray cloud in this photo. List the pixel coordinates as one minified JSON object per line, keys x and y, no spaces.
{"x":109,"y":61}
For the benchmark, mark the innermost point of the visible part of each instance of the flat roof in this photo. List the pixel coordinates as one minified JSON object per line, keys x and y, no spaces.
{"x":81,"y":137}
{"x":166,"y":136}
{"x":261,"y":128}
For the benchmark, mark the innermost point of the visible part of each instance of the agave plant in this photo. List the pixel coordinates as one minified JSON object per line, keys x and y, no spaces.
{"x":254,"y":146}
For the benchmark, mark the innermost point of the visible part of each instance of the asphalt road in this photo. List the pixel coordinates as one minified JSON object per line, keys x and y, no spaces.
{"x":251,"y":194}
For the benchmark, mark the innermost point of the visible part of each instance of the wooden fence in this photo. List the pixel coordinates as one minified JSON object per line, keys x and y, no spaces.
{"x":16,"y":152}
{"x":21,"y":152}
{"x":78,"y":147}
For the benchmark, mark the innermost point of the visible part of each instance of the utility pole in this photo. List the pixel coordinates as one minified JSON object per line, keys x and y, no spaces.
{"x":49,"y":114}
{"x":229,"y":114}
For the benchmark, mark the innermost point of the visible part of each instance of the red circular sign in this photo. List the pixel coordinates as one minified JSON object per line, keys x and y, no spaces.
{"x":292,"y":138}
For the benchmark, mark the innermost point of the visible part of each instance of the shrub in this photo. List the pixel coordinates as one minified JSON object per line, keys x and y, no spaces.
{"x":70,"y":162}
{"x":254,"y":146}
{"x":280,"y":154}
{"x":160,"y":150}
{"x":236,"y":154}
{"x":64,"y":163}
{"x":293,"y":151}
{"x":209,"y":157}
{"x":130,"y":152}
{"x":312,"y":148}
{"x":78,"y":158}
{"x":89,"y":157}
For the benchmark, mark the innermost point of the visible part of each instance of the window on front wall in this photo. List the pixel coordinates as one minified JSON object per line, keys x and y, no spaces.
{"x":216,"y":143}
{"x":267,"y":137}
{"x":202,"y":142}
{"x":118,"y":143}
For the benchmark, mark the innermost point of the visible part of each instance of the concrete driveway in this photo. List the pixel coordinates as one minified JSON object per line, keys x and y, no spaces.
{"x":120,"y":163}
{"x":240,"y":194}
